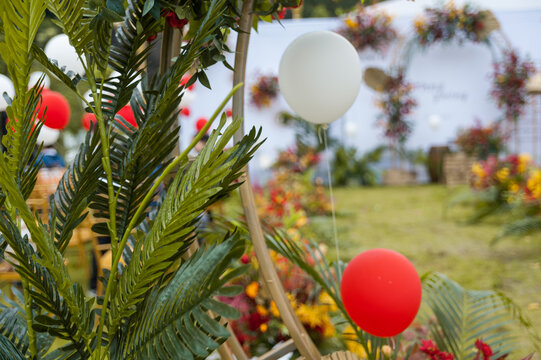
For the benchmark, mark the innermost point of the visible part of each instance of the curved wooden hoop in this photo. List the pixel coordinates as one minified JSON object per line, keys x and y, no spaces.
{"x":299,"y":335}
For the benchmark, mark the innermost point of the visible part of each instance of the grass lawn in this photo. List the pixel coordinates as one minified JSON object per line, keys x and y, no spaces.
{"x":411,"y":220}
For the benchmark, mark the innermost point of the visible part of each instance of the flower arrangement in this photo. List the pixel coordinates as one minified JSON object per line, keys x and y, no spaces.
{"x":260,"y":327}
{"x":509,"y":175}
{"x":298,"y":160}
{"x":481,"y":141}
{"x":368,"y":30}
{"x":397,"y":104}
{"x":450,"y":23}
{"x":509,"y":84}
{"x":264,"y":91}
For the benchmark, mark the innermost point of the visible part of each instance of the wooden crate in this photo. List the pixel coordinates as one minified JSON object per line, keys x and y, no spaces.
{"x":457,"y":169}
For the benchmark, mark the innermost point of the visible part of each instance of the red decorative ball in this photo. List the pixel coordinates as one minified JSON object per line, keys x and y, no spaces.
{"x":87,"y":120}
{"x":185,"y":111}
{"x":185,"y":80}
{"x":201,"y":122}
{"x":229,"y":113}
{"x":127,"y":114}
{"x":58,"y":111}
{"x":381,"y":292}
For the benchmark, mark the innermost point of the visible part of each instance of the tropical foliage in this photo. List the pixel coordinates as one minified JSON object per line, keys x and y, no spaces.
{"x":156,"y":303}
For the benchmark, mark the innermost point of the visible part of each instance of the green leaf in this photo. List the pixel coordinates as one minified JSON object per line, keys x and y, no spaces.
{"x":464,"y":316}
{"x":117,"y":6}
{"x":203,"y":79}
{"x":149,"y":4}
{"x":110,"y":15}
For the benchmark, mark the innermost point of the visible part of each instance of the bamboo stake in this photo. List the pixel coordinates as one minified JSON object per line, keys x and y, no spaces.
{"x":301,"y":338}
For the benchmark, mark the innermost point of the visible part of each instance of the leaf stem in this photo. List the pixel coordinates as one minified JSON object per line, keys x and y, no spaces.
{"x":147,"y":199}
{"x":29,"y":320}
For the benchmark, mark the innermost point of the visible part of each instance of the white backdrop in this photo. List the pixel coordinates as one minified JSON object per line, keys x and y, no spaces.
{"x":452,"y":81}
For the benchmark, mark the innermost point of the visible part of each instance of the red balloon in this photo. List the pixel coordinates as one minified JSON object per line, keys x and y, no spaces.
{"x":87,"y":119}
{"x":381,"y":292}
{"x":127,"y":114}
{"x":58,"y":110}
{"x":185,"y":111}
{"x":201,"y":122}
{"x":185,"y":80}
{"x":229,"y":113}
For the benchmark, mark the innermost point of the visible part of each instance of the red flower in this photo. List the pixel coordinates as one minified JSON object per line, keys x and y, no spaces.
{"x":245,"y":259}
{"x":174,"y":21}
{"x":151,"y":38}
{"x":429,"y":348}
{"x":484,"y":349}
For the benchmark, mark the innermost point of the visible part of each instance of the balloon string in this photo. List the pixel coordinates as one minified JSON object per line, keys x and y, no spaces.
{"x":323,"y":134}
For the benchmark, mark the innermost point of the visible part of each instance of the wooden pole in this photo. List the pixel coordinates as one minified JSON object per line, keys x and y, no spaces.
{"x":301,"y":338}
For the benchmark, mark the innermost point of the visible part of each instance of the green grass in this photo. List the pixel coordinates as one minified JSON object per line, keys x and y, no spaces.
{"x":411,"y":221}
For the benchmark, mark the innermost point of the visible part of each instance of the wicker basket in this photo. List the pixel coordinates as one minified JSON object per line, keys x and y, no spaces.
{"x":457,"y":169}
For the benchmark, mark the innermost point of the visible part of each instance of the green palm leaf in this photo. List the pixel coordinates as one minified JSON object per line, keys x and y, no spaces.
{"x":9,"y":351}
{"x":195,"y":187}
{"x":45,"y":291}
{"x":522,"y":227}
{"x":463,"y":316}
{"x":77,"y":186}
{"x":174,"y":321}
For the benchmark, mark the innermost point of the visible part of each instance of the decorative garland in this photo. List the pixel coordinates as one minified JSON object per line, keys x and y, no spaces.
{"x":453,"y":23}
{"x":264,"y":91}
{"x":368,"y":30}
{"x":444,"y":25}
{"x":509,"y":84}
{"x":396,"y":104}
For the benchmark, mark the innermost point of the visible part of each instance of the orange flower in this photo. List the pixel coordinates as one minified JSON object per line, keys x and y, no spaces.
{"x":263,"y":327}
{"x":252,"y":289}
{"x":262,"y":310}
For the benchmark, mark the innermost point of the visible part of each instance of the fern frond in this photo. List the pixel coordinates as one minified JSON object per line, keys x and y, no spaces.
{"x":9,"y":351}
{"x":65,"y":75}
{"x":72,"y":18}
{"x":522,"y":227}
{"x":45,"y":291}
{"x":77,"y":186}
{"x":174,"y":321}
{"x":195,"y":187}
{"x":463,"y":316}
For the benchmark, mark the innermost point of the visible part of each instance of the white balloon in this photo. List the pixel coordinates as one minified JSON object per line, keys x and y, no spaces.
{"x":434,"y":121}
{"x":48,"y":136}
{"x":187,"y":99}
{"x":34,"y":77}
{"x":6,"y":86}
{"x":320,"y":76}
{"x":265,"y":161}
{"x":350,"y":129}
{"x":59,"y":48}
{"x":88,"y":96}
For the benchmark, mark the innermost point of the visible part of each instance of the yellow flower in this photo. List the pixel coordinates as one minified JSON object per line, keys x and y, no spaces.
{"x":478,"y":170}
{"x":534,"y":184}
{"x":350,"y":23}
{"x":352,"y":344}
{"x":523,"y":162}
{"x":387,"y":351}
{"x":252,"y":289}
{"x":502,"y":174}
{"x":301,"y":221}
{"x":514,"y":187}
{"x":326,"y":300}
{"x":274,"y":309}
{"x":263,"y":327}
{"x":419,"y":23}
{"x":308,"y":315}
{"x":262,"y":310}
